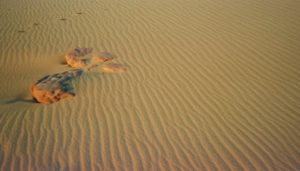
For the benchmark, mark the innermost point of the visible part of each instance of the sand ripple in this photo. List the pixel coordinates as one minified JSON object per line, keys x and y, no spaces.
{"x":213,"y":85}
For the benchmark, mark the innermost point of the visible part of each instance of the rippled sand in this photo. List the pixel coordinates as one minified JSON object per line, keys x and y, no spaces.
{"x":212,"y":85}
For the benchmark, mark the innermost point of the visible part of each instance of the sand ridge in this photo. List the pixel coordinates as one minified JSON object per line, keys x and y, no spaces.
{"x":213,"y":85}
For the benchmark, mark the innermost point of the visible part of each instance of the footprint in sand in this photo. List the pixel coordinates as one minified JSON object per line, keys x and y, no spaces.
{"x":37,"y":23}
{"x":40,"y":23}
{"x":29,"y":27}
{"x":21,"y":31}
{"x":63,"y":19}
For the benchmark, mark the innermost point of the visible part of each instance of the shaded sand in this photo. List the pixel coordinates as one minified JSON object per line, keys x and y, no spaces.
{"x":212,"y":85}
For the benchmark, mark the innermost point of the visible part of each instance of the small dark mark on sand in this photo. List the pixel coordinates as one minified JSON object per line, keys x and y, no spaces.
{"x":21,"y":31}
{"x":78,"y":13}
{"x":63,"y":19}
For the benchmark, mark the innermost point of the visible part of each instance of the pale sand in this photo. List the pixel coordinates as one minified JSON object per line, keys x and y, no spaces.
{"x":212,"y":85}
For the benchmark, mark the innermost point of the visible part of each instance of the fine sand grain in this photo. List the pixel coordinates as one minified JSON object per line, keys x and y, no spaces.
{"x":212,"y":85}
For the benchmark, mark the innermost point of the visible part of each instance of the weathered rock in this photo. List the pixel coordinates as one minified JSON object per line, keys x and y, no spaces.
{"x":53,"y":88}
{"x":76,"y":63}
{"x":113,"y":67}
{"x":73,"y":57}
{"x":103,"y":57}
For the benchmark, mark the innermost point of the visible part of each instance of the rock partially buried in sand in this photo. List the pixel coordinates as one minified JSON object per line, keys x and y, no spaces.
{"x":103,"y":57}
{"x":73,"y":57}
{"x":113,"y":67}
{"x":79,"y":52}
{"x":52,"y":88}
{"x":76,"y":63}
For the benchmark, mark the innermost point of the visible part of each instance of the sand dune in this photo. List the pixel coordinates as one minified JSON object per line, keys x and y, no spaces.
{"x":212,"y":85}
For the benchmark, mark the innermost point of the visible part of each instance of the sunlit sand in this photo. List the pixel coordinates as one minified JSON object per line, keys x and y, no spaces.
{"x":209,"y":85}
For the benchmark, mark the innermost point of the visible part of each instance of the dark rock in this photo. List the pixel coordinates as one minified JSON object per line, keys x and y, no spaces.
{"x":52,"y":88}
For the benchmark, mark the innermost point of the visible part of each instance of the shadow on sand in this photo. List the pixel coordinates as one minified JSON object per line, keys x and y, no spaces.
{"x":19,"y":100}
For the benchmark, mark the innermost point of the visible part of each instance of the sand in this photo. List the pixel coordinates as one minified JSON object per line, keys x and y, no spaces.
{"x":212,"y":85}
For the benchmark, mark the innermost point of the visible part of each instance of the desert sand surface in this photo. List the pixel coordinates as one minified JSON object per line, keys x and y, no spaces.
{"x":212,"y":85}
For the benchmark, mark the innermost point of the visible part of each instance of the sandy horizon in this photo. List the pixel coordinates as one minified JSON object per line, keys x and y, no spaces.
{"x":211,"y":85}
